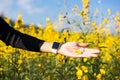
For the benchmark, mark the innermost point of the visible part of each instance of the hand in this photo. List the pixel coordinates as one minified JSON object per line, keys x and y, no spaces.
{"x":69,"y":49}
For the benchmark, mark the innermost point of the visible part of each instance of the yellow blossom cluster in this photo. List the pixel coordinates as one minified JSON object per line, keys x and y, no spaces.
{"x":85,"y":9}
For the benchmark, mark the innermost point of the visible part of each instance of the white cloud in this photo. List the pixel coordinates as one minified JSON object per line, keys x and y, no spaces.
{"x":5,"y":5}
{"x":28,"y":6}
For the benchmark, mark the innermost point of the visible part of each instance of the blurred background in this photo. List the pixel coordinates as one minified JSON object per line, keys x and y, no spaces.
{"x":36,"y":11}
{"x":86,"y":21}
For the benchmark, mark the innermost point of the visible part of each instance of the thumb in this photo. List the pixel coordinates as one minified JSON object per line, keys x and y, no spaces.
{"x":83,"y":44}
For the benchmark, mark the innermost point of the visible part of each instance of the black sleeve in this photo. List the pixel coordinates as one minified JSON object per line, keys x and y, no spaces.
{"x":17,"y":39}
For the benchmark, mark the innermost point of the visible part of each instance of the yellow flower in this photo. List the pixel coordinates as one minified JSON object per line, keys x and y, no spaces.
{"x":117,"y":55}
{"x":103,"y":66}
{"x":60,"y":58}
{"x":85,"y":3}
{"x":1,"y":69}
{"x":78,"y":67}
{"x":109,"y":11}
{"x":119,"y":23}
{"x":105,"y":21}
{"x":11,"y":61}
{"x":71,"y":59}
{"x":40,"y":26}
{"x":19,"y":69}
{"x":7,"y":20}
{"x":85,"y":9}
{"x":39,"y":65}
{"x":48,"y":77}
{"x":117,"y":13}
{"x":96,"y":28}
{"x":19,"y":61}
{"x":60,"y":18}
{"x":79,"y":13}
{"x":117,"y":77}
{"x":19,"y":16}
{"x":85,"y":59}
{"x":47,"y":19}
{"x":85,"y":77}
{"x":102,"y":71}
{"x":84,"y":69}
{"x":94,"y":74}
{"x":106,"y":58}
{"x":93,"y":24}
{"x":98,"y":76}
{"x":19,"y":23}
{"x":78,"y":51}
{"x":79,"y":74}
{"x":117,"y":18}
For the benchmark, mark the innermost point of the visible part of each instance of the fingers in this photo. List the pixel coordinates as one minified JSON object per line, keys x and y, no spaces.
{"x":89,"y":50}
{"x":88,"y":55}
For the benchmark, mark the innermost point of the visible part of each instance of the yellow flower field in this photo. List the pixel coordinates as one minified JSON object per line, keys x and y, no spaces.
{"x":17,"y":64}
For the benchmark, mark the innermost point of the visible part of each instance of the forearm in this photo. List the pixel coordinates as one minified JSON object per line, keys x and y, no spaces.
{"x":17,"y":39}
{"x":23,"y":41}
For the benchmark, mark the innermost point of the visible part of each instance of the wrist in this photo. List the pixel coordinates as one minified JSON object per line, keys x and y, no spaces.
{"x":55,"y":47}
{"x":51,"y":47}
{"x":46,"y":47}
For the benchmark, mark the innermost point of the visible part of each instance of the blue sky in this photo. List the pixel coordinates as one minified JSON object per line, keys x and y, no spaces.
{"x":36,"y":11}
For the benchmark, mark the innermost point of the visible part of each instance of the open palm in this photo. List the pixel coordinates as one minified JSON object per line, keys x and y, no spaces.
{"x":69,"y":49}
